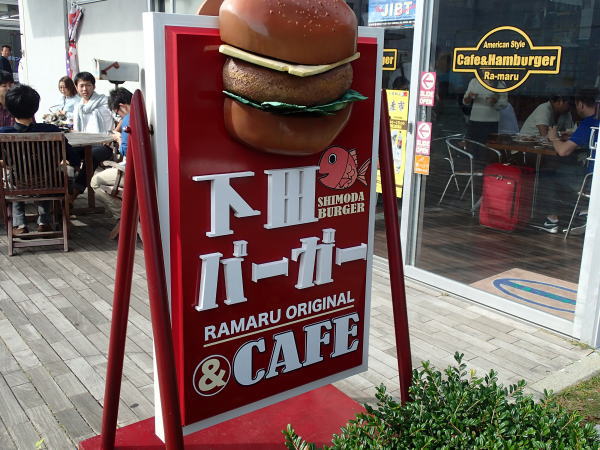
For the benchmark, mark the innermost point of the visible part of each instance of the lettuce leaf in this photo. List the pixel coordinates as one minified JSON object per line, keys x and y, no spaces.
{"x":286,"y":108}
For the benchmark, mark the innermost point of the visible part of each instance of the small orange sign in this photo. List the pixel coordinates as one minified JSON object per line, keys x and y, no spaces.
{"x":422,"y":164}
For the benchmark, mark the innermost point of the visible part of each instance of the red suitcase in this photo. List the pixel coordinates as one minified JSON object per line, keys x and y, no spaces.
{"x":507,"y":196}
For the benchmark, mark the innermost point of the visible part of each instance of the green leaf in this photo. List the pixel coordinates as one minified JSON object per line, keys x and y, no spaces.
{"x":287,"y":108}
{"x":295,"y":442}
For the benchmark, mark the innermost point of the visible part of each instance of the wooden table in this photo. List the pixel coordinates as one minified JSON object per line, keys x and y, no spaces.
{"x":87,"y":141}
{"x":508,"y":144}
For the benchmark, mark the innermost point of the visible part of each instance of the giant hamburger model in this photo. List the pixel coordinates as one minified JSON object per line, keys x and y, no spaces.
{"x":288,"y":74}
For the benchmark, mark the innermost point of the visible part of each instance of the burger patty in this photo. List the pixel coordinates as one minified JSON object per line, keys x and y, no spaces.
{"x":265,"y":85}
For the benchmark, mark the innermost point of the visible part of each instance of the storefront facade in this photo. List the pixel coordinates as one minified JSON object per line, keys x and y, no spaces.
{"x":517,"y":56}
{"x":527,"y":272}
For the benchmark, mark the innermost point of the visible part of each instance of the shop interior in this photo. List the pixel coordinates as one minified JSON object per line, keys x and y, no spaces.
{"x":450,"y":241}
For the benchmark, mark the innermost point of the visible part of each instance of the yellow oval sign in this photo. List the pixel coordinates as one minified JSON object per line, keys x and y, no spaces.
{"x":505,"y":57}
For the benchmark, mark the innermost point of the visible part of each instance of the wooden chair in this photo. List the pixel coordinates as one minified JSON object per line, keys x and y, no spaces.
{"x":32,"y":169}
{"x":115,"y":191}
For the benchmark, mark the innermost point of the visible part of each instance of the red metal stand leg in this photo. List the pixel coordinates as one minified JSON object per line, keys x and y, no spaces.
{"x":155,"y":269}
{"x":120,"y":314}
{"x":392,"y":228}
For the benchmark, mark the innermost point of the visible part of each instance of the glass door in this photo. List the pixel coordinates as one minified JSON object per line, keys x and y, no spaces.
{"x":499,"y":217}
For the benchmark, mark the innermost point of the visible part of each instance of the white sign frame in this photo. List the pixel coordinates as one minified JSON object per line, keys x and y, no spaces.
{"x":156,"y":102}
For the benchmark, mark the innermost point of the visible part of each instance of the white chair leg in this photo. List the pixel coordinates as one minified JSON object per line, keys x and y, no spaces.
{"x":472,"y":196}
{"x":576,"y":206}
{"x":447,"y":185}
{"x":572,"y":217}
{"x":466,"y":188}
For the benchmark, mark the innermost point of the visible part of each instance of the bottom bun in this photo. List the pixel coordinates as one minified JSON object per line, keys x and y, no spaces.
{"x":282,"y":134}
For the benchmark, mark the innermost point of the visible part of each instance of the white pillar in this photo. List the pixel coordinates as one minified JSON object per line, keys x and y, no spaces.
{"x":44,"y":43}
{"x":587,"y":312}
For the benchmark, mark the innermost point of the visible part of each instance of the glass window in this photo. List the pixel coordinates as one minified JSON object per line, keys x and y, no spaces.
{"x":516,"y":89}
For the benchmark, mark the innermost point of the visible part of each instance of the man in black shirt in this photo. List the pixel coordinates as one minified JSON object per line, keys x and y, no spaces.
{"x":22,"y":102}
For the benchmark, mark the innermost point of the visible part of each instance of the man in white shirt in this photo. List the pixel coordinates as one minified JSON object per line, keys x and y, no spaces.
{"x":91,"y":115}
{"x":554,"y":112}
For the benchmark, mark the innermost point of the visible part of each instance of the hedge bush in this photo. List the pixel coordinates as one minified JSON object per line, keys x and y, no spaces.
{"x":456,"y":409}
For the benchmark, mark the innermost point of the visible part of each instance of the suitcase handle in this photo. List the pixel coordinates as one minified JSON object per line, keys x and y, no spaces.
{"x":498,"y":176}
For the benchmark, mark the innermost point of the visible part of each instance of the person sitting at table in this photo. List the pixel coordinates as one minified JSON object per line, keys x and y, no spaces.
{"x":565,"y":182}
{"x":554,"y":112}
{"x":69,"y":97}
{"x":507,"y":123}
{"x":91,"y":115}
{"x":22,"y":102}
{"x":6,"y":82}
{"x":119,"y":101}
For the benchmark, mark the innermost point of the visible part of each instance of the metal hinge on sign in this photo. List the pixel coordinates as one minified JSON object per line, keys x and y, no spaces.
{"x":150,"y":130}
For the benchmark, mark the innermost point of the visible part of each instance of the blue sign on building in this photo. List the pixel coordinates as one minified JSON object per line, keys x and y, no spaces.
{"x":389,"y":13}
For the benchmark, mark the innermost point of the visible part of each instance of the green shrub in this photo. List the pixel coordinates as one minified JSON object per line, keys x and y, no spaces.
{"x":459,"y":410}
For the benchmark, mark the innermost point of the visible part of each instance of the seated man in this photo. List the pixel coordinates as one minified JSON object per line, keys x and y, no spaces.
{"x":119,"y":101}
{"x":565,"y":182}
{"x":507,"y":124}
{"x":22,"y":102}
{"x":91,"y":115}
{"x":554,"y":112}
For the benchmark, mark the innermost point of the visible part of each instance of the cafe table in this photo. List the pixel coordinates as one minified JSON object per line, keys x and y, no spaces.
{"x":537,"y":146}
{"x":87,"y":141}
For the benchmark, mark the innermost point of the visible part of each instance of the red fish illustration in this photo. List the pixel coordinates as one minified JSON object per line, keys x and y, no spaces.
{"x":338,"y":168}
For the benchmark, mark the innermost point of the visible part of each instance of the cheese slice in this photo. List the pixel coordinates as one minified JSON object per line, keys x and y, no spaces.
{"x":299,"y":70}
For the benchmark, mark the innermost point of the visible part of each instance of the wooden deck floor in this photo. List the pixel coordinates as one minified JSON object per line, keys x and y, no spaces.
{"x":55,"y":312}
{"x":448,"y":232}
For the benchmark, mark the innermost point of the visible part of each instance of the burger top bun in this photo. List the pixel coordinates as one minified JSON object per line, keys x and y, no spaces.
{"x":299,"y":31}
{"x":209,"y":8}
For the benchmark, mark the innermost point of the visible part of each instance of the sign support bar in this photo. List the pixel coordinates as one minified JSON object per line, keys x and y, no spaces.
{"x":140,"y":188}
{"x":394,"y":247}
{"x":120,"y":313}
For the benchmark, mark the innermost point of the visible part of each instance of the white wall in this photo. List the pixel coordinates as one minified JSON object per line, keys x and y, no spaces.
{"x":187,"y":6}
{"x":110,"y":29}
{"x":43,"y":41}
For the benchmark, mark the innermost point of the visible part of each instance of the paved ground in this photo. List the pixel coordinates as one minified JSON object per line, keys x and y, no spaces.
{"x":55,"y":311}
